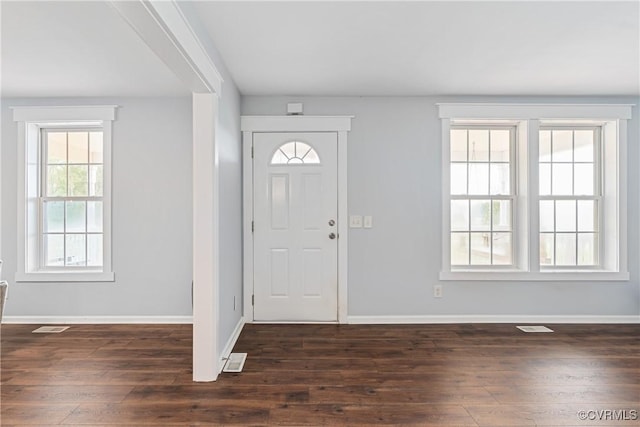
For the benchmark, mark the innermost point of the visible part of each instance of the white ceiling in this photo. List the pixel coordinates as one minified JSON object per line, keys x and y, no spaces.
{"x":337,"y":48}
{"x":77,"y":49}
{"x":428,"y":48}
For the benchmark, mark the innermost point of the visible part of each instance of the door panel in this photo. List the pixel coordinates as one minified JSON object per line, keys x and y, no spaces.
{"x":295,"y":212}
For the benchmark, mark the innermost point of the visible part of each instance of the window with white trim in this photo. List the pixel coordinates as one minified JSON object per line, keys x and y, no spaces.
{"x":534,"y":192}
{"x":64,"y":209}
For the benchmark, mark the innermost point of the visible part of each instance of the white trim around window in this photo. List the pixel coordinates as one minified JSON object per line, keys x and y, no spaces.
{"x":30,"y":120}
{"x":528,"y":119}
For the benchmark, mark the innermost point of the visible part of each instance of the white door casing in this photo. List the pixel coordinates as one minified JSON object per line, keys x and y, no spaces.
{"x":295,"y":226}
{"x":253,"y":125}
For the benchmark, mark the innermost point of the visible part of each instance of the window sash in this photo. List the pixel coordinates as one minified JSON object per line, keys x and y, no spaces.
{"x":43,"y":199}
{"x":511,"y":196}
{"x":597,"y":197}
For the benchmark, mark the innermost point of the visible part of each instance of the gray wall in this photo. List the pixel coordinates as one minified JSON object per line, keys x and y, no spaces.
{"x":395,"y":175}
{"x":152,"y":216}
{"x":230,"y":180}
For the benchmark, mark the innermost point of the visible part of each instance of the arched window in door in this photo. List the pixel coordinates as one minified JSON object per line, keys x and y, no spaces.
{"x":295,"y":152}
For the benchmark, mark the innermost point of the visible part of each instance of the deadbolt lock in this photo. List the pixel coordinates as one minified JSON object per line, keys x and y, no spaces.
{"x":332,"y":222}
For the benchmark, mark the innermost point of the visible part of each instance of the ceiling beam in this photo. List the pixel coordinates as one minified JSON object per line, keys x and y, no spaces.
{"x":164,"y":28}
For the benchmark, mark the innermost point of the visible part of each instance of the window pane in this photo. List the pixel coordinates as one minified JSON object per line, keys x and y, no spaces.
{"x":479,"y":145}
{"x":565,"y":249}
{"x":546,"y":249}
{"x":289,"y":150}
{"x":562,"y":179}
{"x":546,"y":215}
{"x":587,"y":249}
{"x":311,"y":157}
{"x":95,"y":180}
{"x":95,"y":147}
{"x":458,"y":145}
{"x":75,"y":250}
{"x":459,"y":215}
{"x":583,"y":179}
{"x":56,"y":181}
{"x":78,"y":147}
{"x":502,"y":248}
{"x":502,"y":215}
{"x":566,"y":215}
{"x":94,"y":249}
{"x":459,"y":248}
{"x":480,"y":215}
{"x":54,"y":249}
{"x":76,"y":216}
{"x":459,"y":178}
{"x":545,"y":179}
{"x":500,"y":145}
{"x":562,"y":145}
{"x":545,"y":146}
{"x":584,"y":147}
{"x":56,"y":147}
{"x":479,"y":178}
{"x":500,"y":178}
{"x":54,"y":217}
{"x":94,"y":217}
{"x":587,"y":215}
{"x":78,"y":180}
{"x":279,"y":158}
{"x":480,"y":248}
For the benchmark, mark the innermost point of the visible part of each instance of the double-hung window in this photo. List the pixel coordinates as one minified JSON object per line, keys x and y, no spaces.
{"x":482,"y":195}
{"x":64,"y":193}
{"x":534,"y":192}
{"x":570,"y":196}
{"x":71,"y":198}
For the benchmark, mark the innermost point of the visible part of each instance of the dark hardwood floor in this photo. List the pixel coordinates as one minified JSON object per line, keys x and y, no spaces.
{"x":444,"y":375}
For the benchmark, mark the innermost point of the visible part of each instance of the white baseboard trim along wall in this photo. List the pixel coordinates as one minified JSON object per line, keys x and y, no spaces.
{"x":372,"y":320}
{"x":71,"y":320}
{"x":231,"y":342}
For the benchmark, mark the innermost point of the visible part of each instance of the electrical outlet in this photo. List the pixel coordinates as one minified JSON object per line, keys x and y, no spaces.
{"x":437,"y":291}
{"x":355,"y":221}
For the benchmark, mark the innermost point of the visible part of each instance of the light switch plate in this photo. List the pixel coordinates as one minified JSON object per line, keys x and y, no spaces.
{"x":368,"y":221}
{"x":355,"y":221}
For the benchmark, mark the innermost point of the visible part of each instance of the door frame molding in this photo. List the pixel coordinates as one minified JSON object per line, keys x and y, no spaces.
{"x":282,"y":124}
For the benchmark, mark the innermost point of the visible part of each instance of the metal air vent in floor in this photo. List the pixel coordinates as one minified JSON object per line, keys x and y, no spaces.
{"x":235,"y":363}
{"x":50,"y":329}
{"x":534,"y":329}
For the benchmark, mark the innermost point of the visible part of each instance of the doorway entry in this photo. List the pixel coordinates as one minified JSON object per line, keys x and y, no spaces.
{"x":295,"y":218}
{"x":295,"y":210}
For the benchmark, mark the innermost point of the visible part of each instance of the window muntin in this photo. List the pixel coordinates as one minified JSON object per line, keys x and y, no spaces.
{"x":570,"y":196}
{"x":71,"y":198}
{"x":295,"y":152}
{"x":482,"y":196}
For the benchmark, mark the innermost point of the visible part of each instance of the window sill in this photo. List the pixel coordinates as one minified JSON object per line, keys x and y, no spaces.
{"x":542,"y":276}
{"x":65,"y":276}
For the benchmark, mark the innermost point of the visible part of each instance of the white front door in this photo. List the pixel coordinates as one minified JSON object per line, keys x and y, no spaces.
{"x":295,"y":226}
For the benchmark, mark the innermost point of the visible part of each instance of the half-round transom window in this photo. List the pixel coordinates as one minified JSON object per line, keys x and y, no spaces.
{"x":295,"y":152}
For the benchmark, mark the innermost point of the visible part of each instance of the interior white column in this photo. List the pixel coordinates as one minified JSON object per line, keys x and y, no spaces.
{"x":205,"y":238}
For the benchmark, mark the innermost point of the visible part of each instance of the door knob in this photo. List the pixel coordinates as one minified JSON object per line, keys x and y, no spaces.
{"x":332,"y":222}
{"x":332,"y":236}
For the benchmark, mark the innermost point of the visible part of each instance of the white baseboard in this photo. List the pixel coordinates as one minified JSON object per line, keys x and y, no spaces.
{"x":71,"y":320}
{"x":228,"y":348}
{"x":550,"y":319}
